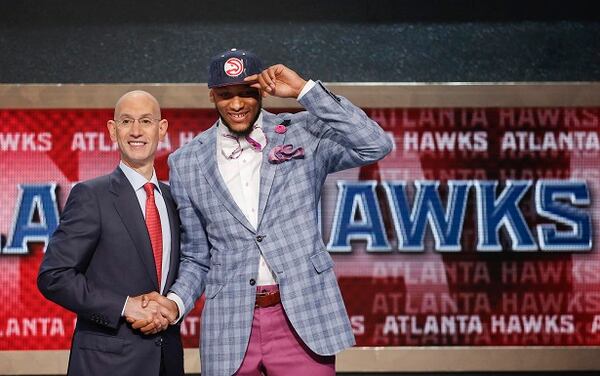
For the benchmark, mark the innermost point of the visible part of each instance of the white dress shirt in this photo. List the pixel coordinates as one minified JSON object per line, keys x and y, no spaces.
{"x":137,"y":181}
{"x":242,"y":178}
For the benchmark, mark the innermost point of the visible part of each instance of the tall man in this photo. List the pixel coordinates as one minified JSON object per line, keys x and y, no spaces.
{"x":247,"y":190}
{"x":118,"y":238}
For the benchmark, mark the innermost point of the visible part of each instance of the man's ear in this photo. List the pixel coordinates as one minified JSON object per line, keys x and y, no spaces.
{"x":162,"y":128}
{"x":211,"y":96}
{"x":111,"y":125}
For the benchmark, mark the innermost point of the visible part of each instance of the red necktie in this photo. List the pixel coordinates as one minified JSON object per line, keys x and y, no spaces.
{"x":154,"y":229}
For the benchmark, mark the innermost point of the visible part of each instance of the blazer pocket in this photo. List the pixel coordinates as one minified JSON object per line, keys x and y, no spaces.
{"x":212,"y":290}
{"x":102,"y":343}
{"x":322,"y":261}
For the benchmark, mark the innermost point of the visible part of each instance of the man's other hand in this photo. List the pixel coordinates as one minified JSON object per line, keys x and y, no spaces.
{"x":278,"y":81}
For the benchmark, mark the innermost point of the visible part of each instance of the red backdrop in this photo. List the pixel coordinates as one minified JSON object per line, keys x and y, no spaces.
{"x":394,"y":297}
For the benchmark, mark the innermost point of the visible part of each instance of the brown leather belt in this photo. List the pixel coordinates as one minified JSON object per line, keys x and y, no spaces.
{"x":267,"y":299}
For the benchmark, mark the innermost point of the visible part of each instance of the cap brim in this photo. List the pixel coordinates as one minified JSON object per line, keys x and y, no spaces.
{"x":248,"y":83}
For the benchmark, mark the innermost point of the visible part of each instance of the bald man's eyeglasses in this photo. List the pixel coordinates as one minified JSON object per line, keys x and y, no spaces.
{"x":145,"y":122}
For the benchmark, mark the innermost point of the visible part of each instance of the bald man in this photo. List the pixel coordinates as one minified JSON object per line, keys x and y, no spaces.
{"x":118,"y":239}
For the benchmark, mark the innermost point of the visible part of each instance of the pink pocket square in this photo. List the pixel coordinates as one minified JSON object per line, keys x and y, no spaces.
{"x":282,"y":153}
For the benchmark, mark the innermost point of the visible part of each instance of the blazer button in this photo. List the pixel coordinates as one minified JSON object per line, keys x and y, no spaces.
{"x":158,"y":342}
{"x":252,"y":282}
{"x":259,"y":238}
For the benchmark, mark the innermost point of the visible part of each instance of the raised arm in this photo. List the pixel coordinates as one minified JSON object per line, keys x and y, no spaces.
{"x":349,"y":138}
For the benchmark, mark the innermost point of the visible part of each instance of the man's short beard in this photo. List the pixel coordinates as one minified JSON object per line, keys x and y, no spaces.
{"x":246,"y":131}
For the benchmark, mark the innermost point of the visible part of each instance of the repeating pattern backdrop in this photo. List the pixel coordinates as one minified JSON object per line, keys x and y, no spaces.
{"x":394,"y":296}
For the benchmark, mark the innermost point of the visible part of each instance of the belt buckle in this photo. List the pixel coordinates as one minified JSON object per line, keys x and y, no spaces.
{"x":264,"y":295}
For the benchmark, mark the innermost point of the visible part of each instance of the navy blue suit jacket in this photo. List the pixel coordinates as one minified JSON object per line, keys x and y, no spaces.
{"x":99,"y":255}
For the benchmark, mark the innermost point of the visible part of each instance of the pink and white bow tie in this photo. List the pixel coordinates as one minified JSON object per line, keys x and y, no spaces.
{"x":232,"y":147}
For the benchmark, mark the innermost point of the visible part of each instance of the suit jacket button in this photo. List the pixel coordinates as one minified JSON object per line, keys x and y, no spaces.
{"x":158,"y":342}
{"x":252,"y":282}
{"x":259,"y":238}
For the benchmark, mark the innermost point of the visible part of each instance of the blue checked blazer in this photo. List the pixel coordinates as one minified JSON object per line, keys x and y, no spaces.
{"x":220,"y":249}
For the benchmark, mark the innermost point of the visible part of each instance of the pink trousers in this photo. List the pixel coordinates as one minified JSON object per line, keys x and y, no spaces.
{"x":275,"y":349}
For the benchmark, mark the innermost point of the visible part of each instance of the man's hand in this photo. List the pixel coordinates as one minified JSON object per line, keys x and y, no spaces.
{"x":168,"y":308}
{"x":278,"y":81}
{"x":148,"y":318}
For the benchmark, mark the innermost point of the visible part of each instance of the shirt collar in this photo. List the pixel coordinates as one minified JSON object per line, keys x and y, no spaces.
{"x":136,"y":179}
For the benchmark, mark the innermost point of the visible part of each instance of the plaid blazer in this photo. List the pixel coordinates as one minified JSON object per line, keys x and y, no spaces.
{"x":220,"y":249}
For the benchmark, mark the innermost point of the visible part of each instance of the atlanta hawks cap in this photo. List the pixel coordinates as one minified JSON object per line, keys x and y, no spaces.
{"x":231,"y":67}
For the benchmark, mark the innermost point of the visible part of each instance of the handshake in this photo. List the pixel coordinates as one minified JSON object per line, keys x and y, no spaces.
{"x":150,"y":313}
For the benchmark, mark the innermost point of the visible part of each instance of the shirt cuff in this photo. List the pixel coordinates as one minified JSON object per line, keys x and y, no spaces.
{"x":124,"y":305}
{"x":179,"y":303}
{"x":307,"y":86}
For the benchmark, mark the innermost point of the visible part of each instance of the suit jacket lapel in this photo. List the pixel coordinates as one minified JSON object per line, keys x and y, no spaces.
{"x":128,"y":208}
{"x":174,"y":225}
{"x":207,"y":161}
{"x":268,"y":169}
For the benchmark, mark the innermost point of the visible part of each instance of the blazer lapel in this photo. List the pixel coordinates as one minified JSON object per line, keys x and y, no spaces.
{"x":268,"y":169}
{"x":174,"y":225}
{"x":207,"y":161}
{"x":128,"y":208}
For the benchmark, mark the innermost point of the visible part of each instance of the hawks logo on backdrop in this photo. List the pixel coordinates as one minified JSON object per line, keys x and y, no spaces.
{"x":233,"y":67}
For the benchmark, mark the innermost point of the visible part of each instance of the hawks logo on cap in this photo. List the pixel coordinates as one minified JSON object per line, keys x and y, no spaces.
{"x":233,"y":67}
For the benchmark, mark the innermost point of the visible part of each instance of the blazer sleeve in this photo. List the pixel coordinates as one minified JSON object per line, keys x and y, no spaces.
{"x":62,"y":278}
{"x":194,"y":261}
{"x":347,"y":136}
